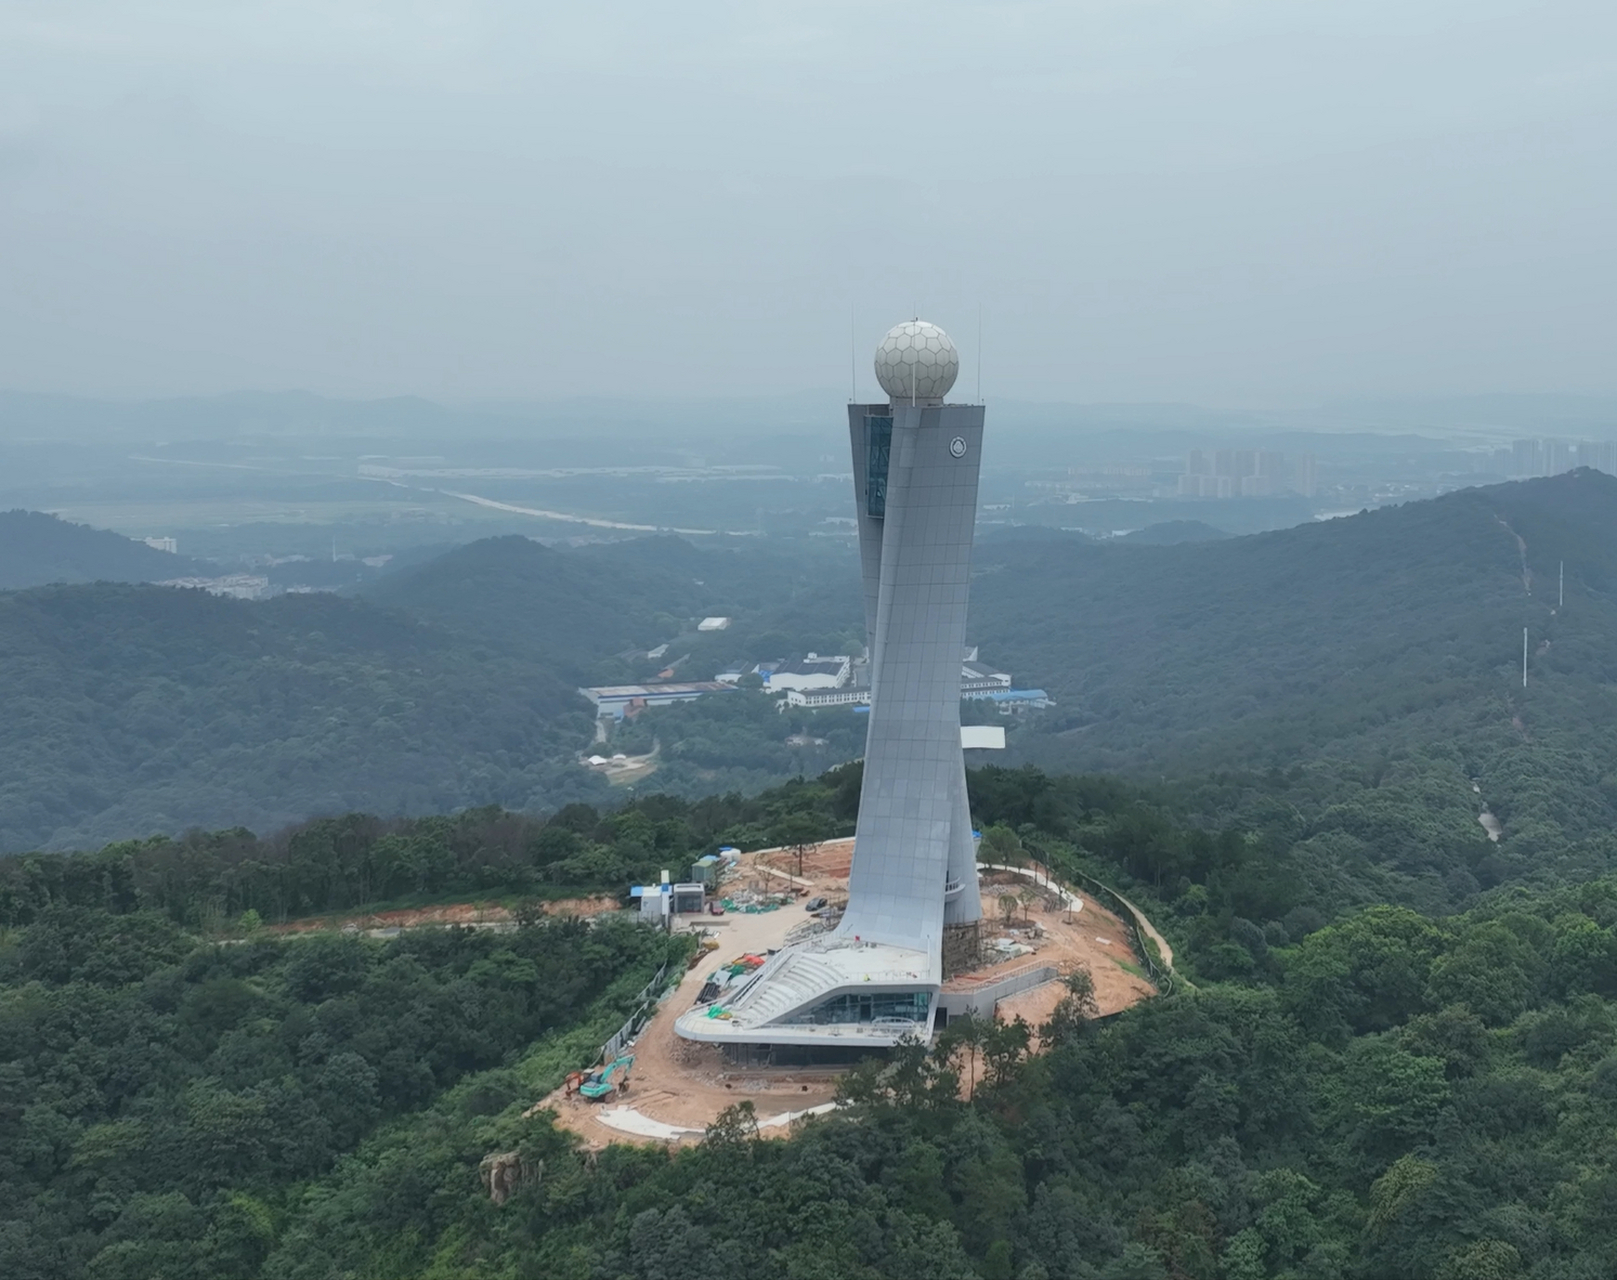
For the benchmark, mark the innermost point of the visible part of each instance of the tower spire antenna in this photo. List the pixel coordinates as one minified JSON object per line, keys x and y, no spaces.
{"x":853,"y":359}
{"x":979,"y":351}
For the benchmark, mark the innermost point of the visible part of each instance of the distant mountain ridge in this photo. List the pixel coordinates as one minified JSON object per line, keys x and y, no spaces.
{"x":133,"y":709}
{"x":1366,"y":639}
{"x":38,"y":549}
{"x":1259,"y":647}
{"x":577,"y":607}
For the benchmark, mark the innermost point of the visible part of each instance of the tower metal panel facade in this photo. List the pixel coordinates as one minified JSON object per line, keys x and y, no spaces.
{"x":915,"y":479}
{"x":876,"y":978}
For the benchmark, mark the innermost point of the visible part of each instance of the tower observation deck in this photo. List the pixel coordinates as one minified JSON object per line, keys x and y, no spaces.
{"x":876,"y":978}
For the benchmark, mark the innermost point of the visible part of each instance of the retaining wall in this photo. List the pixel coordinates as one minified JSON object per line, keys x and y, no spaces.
{"x":979,"y":1002}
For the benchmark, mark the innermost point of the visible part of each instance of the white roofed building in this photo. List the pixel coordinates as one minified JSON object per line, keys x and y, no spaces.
{"x":979,"y":677}
{"x":810,"y":672}
{"x":617,"y":700}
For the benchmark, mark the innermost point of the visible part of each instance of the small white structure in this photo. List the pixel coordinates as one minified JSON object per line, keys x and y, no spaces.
{"x":163,"y":544}
{"x":660,"y":901}
{"x":982,"y":737}
{"x":713,"y":624}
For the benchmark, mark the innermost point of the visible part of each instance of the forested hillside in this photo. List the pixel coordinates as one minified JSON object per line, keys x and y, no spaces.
{"x":161,"y":1102}
{"x":1364,"y":1116}
{"x":134,"y":709}
{"x":574,"y":607}
{"x":1370,"y":664}
{"x":1347,"y":1093}
{"x":1378,"y":630}
{"x":37,"y":549}
{"x":208,"y":880}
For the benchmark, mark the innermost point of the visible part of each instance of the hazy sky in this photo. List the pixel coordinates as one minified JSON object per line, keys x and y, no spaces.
{"x":1227,"y":201}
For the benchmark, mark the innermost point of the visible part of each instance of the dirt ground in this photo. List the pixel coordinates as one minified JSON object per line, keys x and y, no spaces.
{"x":826,"y":864}
{"x":680,"y":1087}
{"x":474,"y":914}
{"x":679,"y":1083}
{"x":1092,"y":939}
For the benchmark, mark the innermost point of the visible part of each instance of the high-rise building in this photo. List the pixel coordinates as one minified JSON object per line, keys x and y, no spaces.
{"x":1599,"y":454}
{"x":876,"y":978}
{"x":1244,"y":473}
{"x":1530,"y":458}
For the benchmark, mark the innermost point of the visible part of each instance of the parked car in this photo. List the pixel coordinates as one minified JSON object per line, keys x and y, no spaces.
{"x":814,"y":904}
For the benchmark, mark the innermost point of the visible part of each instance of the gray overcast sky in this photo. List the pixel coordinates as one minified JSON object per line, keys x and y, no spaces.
{"x":1228,"y":201}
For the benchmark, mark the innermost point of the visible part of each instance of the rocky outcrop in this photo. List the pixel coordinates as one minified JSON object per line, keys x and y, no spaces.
{"x":503,"y":1172}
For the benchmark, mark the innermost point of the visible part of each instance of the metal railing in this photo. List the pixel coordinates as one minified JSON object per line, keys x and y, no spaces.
{"x":1160,"y":975}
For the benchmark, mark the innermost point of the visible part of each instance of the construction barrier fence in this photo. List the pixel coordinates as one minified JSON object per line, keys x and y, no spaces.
{"x":644,"y":1006}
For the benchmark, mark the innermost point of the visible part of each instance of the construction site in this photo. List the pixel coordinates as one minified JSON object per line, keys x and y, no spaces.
{"x":663,"y":1088}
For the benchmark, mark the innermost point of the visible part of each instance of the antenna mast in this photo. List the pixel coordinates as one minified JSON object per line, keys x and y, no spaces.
{"x":1524,"y":657}
{"x":853,"y":366}
{"x":1560,"y":602}
{"x":979,"y":352}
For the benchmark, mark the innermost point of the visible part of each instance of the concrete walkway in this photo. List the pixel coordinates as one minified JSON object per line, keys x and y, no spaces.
{"x":1150,"y":930}
{"x":626,"y":1119}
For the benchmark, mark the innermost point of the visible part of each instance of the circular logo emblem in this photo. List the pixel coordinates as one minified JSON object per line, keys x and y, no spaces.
{"x":957,"y":447}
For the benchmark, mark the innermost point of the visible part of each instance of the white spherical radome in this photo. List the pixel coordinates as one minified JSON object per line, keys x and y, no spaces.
{"x":916,"y":359}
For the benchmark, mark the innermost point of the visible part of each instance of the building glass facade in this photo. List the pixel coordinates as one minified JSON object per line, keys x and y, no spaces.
{"x":868,"y":1007}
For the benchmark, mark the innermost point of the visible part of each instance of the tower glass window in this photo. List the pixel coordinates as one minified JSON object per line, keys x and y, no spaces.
{"x":880,"y":434}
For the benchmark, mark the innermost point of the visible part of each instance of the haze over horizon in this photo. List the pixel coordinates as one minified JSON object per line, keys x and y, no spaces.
{"x":1241,"y":204}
